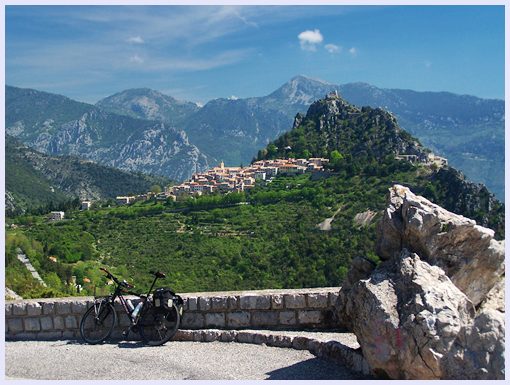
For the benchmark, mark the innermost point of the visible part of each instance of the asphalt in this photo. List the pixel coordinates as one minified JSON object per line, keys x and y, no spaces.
{"x":176,"y":360}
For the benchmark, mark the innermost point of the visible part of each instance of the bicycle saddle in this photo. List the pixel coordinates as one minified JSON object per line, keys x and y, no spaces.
{"x":158,"y":274}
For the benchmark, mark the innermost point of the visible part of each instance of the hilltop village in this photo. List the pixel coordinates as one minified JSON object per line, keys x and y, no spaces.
{"x":236,"y":179}
{"x":223,"y":179}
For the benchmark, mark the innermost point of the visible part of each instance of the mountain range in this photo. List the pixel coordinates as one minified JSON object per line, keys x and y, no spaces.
{"x":57,"y":125}
{"x":467,"y":130}
{"x":274,"y":237}
{"x":151,"y":132}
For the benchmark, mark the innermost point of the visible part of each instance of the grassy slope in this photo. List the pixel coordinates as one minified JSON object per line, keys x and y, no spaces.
{"x":272,"y":242}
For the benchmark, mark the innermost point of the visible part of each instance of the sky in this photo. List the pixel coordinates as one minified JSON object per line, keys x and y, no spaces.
{"x":199,"y":53}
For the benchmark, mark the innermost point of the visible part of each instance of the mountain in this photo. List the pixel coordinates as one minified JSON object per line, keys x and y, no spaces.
{"x":268,"y":236}
{"x":234,"y":130}
{"x":333,"y":124}
{"x":359,"y":140}
{"x":35,"y":181}
{"x":469,"y":131}
{"x":296,"y":95}
{"x":56,"y":125}
{"x":144,"y":103}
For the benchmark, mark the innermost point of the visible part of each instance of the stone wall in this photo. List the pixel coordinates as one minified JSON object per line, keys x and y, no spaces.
{"x":49,"y":319}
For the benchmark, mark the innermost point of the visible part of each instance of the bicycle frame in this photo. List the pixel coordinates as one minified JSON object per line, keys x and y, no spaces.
{"x":99,"y":320}
{"x":118,"y":293}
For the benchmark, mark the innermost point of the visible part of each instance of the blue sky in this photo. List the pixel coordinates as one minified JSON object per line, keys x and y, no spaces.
{"x":203,"y":52}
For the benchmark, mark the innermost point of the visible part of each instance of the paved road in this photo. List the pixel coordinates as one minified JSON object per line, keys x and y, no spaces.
{"x":69,"y":360}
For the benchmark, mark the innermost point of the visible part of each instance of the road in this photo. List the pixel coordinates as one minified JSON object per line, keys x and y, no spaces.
{"x":70,"y":360}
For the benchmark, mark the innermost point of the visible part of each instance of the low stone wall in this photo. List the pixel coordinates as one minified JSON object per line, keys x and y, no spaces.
{"x":50,"y":319}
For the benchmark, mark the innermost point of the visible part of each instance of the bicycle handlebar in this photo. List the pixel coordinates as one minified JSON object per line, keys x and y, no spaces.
{"x":110,"y":275}
{"x":157,"y":274}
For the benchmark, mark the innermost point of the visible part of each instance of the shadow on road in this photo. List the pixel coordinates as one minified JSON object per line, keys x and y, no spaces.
{"x":132,"y":345}
{"x":121,"y":344}
{"x":315,"y":369}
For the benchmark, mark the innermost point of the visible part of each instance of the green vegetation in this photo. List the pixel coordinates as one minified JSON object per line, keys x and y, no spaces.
{"x":267,"y":237}
{"x":37,"y":183}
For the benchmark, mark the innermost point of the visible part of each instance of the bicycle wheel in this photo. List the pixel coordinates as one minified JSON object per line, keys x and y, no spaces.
{"x":98,"y":322}
{"x":159,"y":325}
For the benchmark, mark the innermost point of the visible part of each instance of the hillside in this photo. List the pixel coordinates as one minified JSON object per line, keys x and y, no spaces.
{"x":35,"y":181}
{"x":56,"y":125}
{"x":267,"y":237}
{"x":467,"y":130}
{"x":359,"y":138}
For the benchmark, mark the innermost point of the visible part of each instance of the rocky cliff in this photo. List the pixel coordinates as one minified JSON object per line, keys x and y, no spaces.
{"x":434,"y":307}
{"x":56,"y":125}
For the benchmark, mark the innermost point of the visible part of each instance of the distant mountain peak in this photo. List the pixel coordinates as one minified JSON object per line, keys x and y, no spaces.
{"x":302,"y":90}
{"x":304,"y":78}
{"x":146,"y":103}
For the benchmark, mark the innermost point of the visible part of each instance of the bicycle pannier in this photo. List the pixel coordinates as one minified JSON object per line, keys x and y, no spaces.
{"x":163,"y":297}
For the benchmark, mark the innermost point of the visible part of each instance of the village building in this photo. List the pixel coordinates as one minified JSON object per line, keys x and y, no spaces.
{"x":124,"y":200}
{"x":56,"y":215}
{"x":223,"y":179}
{"x":85,"y":205}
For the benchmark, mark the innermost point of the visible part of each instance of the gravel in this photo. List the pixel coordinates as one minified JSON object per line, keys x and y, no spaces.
{"x":71,"y":360}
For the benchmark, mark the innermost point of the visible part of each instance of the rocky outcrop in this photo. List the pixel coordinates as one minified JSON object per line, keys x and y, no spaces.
{"x":434,"y":307}
{"x":468,"y":253}
{"x":56,"y":125}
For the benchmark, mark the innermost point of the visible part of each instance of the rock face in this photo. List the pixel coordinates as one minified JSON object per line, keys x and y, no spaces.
{"x":434,"y":308}
{"x":55,"y":125}
{"x":468,"y":253}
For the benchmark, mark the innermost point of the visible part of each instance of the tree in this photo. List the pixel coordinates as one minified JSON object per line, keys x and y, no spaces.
{"x":271,"y":150}
{"x":156,"y":189}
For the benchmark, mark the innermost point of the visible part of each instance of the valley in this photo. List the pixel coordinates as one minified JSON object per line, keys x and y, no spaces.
{"x":265,"y":237}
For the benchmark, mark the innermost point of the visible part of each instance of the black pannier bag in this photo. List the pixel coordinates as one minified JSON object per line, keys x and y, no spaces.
{"x":165,"y":297}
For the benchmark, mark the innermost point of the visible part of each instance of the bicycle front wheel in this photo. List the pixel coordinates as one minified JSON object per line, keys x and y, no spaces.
{"x":98,"y":322}
{"x":159,"y":325}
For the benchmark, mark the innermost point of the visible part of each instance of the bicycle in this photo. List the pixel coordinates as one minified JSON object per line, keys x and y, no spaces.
{"x":156,"y":317}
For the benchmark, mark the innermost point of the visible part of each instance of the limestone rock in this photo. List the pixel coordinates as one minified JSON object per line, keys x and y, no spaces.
{"x":412,"y":322}
{"x":361,"y":268}
{"x":468,"y":253}
{"x":486,"y":339}
{"x":407,"y":317}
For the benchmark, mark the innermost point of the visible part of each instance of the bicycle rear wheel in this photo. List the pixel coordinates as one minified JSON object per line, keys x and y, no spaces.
{"x":98,"y":322}
{"x":159,"y":325}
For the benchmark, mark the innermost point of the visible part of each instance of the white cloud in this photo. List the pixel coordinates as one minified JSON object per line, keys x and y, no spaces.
{"x":136,"y":59}
{"x":353,"y":51}
{"x":310,"y":39}
{"x":135,"y":40}
{"x":332,"y":48}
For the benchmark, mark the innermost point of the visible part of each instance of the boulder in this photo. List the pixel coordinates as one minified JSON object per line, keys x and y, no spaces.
{"x":468,"y":253}
{"x":407,"y":317}
{"x":434,"y":307}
